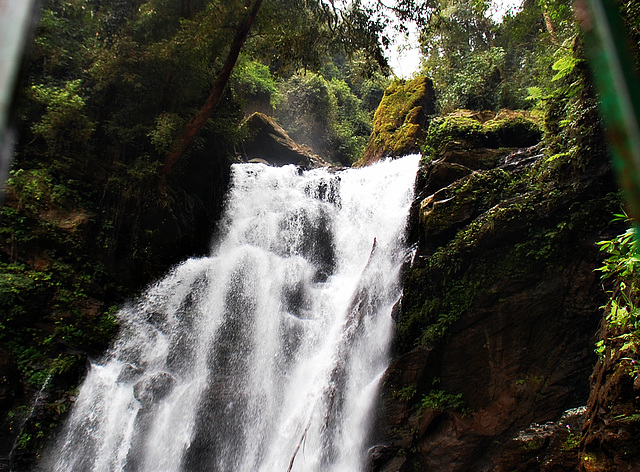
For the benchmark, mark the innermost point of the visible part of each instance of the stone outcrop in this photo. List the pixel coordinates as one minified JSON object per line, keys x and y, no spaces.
{"x":501,"y":305}
{"x":481,"y":130}
{"x":269,"y":143}
{"x":401,"y":120}
{"x":154,"y":388}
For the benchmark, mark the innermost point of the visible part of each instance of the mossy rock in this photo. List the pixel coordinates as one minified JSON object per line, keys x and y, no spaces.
{"x":401,"y":120}
{"x":472,"y":130}
{"x":461,"y":201}
{"x":483,"y":226}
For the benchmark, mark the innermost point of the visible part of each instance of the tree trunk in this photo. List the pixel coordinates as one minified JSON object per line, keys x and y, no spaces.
{"x":186,"y":10}
{"x":195,"y":125}
{"x":548,"y":22}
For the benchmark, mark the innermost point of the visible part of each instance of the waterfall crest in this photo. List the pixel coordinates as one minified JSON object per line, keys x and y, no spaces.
{"x":265,"y":356}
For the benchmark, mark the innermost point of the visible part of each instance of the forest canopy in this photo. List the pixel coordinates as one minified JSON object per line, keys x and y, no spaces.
{"x":127,"y":76}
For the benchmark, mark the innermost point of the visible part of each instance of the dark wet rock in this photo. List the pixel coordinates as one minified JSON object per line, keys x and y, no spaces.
{"x":129,"y":373}
{"x":482,"y":158}
{"x":440,"y":174}
{"x":154,"y":388}
{"x":612,"y":424}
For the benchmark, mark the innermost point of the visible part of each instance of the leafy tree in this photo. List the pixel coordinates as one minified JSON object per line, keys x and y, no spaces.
{"x":63,"y":41}
{"x":630,"y":11}
{"x":459,"y":54}
{"x":64,"y":123}
{"x":326,"y":115}
{"x":198,"y":121}
{"x":480,"y":64}
{"x":254,"y":85}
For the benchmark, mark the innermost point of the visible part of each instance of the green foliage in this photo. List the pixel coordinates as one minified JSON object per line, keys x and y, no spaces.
{"x":64,"y":36}
{"x":405,"y":394}
{"x":622,"y":261}
{"x":48,"y":279}
{"x":439,"y":400}
{"x":471,"y":86}
{"x":564,"y":66}
{"x":623,"y":310}
{"x":326,"y":115}
{"x":29,"y":297}
{"x":479,"y":64}
{"x":168,"y":126}
{"x":19,"y":287}
{"x":64,"y":123}
{"x":457,"y":55}
{"x":572,"y":123}
{"x":32,"y":187}
{"x":572,"y":442}
{"x":310,"y":92}
{"x":633,"y":418}
{"x":618,"y":348}
{"x":630,"y":12}
{"x":566,"y":81}
{"x":252,"y":81}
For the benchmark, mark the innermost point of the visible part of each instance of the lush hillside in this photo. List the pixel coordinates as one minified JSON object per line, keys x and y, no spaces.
{"x":130,"y":113}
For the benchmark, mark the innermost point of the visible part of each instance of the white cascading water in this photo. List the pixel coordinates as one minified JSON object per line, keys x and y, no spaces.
{"x":265,"y":356}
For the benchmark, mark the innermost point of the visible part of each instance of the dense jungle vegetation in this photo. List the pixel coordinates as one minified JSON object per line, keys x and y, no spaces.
{"x":129,"y":113}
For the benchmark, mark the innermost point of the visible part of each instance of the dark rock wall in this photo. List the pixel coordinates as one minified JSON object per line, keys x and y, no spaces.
{"x":500,"y":311}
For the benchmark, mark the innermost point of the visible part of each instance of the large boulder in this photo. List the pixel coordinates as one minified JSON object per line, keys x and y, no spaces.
{"x":269,"y":143}
{"x":466,"y":129}
{"x":401,"y":120}
{"x":153,"y":388}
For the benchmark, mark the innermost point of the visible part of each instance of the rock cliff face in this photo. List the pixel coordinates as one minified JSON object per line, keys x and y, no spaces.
{"x":611,"y":428}
{"x":497,"y":326}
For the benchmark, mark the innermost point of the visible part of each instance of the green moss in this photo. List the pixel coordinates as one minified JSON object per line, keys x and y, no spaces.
{"x":506,"y":129}
{"x":534,"y":444}
{"x":489,"y":227}
{"x":468,"y":196}
{"x":399,"y":121}
{"x":517,"y":131}
{"x":449,"y":128}
{"x":439,"y":400}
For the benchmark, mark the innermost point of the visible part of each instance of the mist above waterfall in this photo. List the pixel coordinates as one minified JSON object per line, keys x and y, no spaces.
{"x":265,"y":356}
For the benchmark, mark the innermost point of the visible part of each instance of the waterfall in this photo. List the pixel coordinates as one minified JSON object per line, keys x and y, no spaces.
{"x":267,"y":355}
